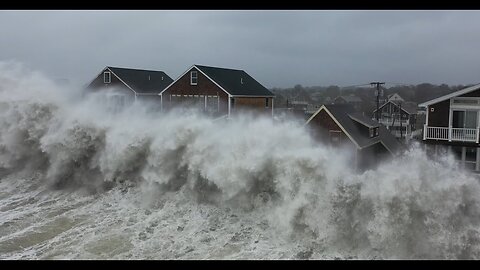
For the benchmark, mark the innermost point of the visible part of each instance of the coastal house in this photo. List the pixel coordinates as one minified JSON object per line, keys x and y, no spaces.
{"x":341,"y":125}
{"x":123,"y":86}
{"x":217,"y":91}
{"x":452,"y":125}
{"x":398,"y":116}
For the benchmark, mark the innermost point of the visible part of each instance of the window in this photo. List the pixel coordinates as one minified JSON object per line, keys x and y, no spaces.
{"x":193,"y":78}
{"x":373,"y":132}
{"x":335,"y":136}
{"x":464,"y":119}
{"x":106,"y":77}
{"x":266,"y":103}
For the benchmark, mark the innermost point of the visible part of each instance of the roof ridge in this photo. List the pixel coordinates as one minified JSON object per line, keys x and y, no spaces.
{"x":136,"y":69}
{"x":219,"y":67}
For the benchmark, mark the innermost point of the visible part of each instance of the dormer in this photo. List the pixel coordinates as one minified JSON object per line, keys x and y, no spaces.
{"x":373,"y":132}
{"x":367,"y":126}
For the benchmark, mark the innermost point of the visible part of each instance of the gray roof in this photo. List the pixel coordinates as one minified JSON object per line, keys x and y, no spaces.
{"x":348,"y":119}
{"x":231,"y":81}
{"x":143,"y":81}
{"x":361,"y":119}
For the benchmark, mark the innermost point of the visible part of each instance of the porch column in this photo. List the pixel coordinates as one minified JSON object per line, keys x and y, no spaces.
{"x":477,"y":164}
{"x":477,"y":135}
{"x":229,"y":104}
{"x":464,"y":153}
{"x":161,"y":103}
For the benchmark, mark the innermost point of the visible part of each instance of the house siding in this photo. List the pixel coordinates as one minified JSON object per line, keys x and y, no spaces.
{"x":256,"y":104}
{"x":324,"y":128}
{"x":204,"y":87}
{"x":440,"y":115}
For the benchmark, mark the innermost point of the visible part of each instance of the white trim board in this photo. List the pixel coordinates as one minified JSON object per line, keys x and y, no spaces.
{"x":398,"y":106}
{"x":121,"y":80}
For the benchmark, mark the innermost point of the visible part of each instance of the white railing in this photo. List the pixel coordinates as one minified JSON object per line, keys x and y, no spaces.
{"x":451,"y":134}
{"x":464,"y":134}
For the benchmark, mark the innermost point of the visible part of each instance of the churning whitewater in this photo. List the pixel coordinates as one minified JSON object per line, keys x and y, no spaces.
{"x":79,"y":182}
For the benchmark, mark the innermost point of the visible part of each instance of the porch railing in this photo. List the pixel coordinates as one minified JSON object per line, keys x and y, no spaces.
{"x":451,"y":134}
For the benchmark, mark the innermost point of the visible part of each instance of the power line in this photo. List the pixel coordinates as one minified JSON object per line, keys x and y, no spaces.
{"x":357,"y":85}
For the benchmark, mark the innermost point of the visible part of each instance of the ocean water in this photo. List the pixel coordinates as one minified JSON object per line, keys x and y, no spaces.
{"x":80,"y":182}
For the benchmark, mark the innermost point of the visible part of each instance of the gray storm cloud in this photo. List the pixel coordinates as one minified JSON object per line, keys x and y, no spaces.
{"x":279,"y":48}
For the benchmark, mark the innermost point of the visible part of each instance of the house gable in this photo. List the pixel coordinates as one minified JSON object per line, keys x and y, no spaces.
{"x":326,"y":121}
{"x":204,"y":85}
{"x":391,"y":103}
{"x":115,"y":82}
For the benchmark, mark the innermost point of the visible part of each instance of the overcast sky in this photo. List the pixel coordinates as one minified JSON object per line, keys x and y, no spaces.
{"x":278,"y":48}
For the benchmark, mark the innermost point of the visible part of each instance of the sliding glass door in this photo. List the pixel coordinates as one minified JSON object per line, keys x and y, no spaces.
{"x":464,"y":119}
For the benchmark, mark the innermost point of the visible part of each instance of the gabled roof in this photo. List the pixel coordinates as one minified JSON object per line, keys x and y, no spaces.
{"x":344,"y":115}
{"x":142,"y":81}
{"x":233,"y":81}
{"x":393,"y":95}
{"x":408,"y":107}
{"x":448,"y":96}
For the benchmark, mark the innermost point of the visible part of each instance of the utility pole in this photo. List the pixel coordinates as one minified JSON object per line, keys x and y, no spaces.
{"x":401,"y":127}
{"x":377,"y":93}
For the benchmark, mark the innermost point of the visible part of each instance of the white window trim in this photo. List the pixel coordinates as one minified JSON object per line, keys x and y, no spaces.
{"x":109,"y":77}
{"x":191,"y":77}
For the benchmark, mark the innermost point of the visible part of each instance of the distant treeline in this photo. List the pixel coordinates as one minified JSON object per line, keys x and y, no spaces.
{"x":325,"y":94}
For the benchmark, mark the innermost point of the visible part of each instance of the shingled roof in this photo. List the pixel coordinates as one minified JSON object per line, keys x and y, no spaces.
{"x":142,"y":81}
{"x":348,"y":119}
{"x":235,"y":82}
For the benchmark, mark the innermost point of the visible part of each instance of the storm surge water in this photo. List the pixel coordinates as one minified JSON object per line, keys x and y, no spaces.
{"x":78,"y":182}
